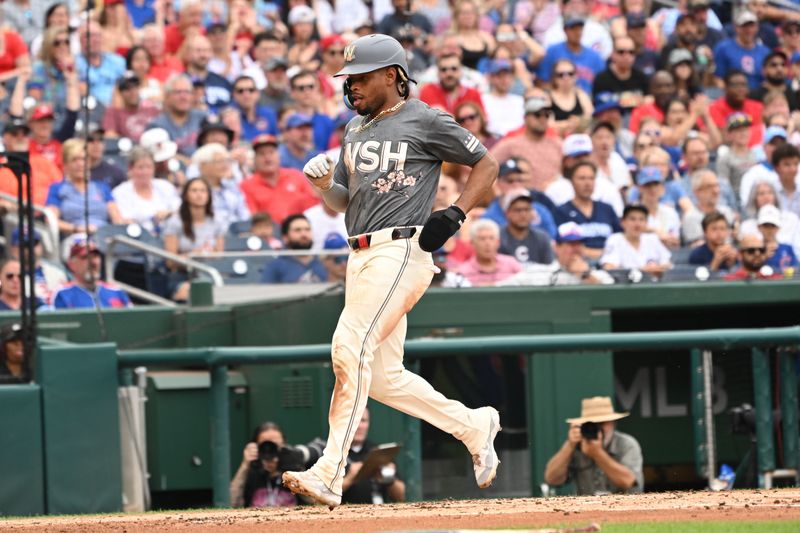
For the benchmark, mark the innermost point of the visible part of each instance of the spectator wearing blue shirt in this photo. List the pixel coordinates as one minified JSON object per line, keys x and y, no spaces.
{"x":307,"y":96}
{"x":588,"y":63}
{"x":716,"y":252}
{"x":743,"y":52}
{"x":197,"y":57}
{"x":597,"y":220}
{"x":298,"y":142}
{"x":103,"y":69}
{"x":66,"y":199}
{"x":141,"y":12}
{"x":256,"y":119}
{"x":178,"y":119}
{"x":296,"y":232}
{"x":516,"y":172}
{"x":87,"y":290}
{"x":780,"y":256}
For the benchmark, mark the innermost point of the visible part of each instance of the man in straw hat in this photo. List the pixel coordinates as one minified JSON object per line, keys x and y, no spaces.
{"x":595,"y":457}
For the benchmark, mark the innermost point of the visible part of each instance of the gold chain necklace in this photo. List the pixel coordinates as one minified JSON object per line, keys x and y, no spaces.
{"x":365,"y":125}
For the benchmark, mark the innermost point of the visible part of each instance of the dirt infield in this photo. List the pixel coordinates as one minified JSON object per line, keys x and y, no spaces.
{"x":782,"y":504}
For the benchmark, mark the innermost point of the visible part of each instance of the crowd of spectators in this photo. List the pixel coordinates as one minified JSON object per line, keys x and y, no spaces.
{"x":630,"y":136}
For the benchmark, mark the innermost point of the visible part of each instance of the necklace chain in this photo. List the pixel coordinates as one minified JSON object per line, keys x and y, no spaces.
{"x":365,"y":125}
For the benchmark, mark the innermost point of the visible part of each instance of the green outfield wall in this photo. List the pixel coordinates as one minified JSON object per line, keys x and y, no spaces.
{"x":63,"y":431}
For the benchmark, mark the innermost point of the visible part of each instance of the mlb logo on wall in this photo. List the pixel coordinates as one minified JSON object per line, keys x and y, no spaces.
{"x":471,"y":143}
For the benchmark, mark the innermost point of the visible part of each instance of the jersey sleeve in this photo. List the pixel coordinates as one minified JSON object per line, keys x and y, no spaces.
{"x":450,"y":142}
{"x":340,"y":170}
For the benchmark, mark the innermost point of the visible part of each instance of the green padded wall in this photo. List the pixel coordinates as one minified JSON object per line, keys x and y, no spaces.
{"x":81,"y":428}
{"x":21,"y":460}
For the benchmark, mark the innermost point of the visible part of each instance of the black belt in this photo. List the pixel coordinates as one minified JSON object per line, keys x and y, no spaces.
{"x":362,"y":242}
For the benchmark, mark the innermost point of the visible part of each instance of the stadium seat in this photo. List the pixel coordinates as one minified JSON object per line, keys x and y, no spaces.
{"x":236,"y":270}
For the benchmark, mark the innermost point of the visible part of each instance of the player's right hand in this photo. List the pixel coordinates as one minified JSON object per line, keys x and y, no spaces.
{"x":319,"y":170}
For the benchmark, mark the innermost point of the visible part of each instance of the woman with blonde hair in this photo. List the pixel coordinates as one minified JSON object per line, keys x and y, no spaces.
{"x":476,"y":44}
{"x":48,"y":81}
{"x":67,"y":199}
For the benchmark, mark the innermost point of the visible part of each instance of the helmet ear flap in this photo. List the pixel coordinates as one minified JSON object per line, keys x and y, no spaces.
{"x":348,"y":94}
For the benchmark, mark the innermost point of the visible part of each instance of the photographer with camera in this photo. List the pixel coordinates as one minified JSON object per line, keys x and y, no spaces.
{"x":257,"y":482}
{"x":596,"y":457}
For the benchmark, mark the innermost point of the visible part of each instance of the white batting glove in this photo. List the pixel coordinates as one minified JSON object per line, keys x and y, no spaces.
{"x":319,"y":170}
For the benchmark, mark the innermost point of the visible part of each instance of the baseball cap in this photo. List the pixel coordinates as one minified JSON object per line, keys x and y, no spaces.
{"x":569,"y":232}
{"x":570,"y":21}
{"x":513,"y":195}
{"x":536,"y":103}
{"x":605,"y":101}
{"x":682,"y":17}
{"x":796,"y":57}
{"x":680,"y":55}
{"x":264,"y":139}
{"x":276,"y":63}
{"x":500,"y":65}
{"x":329,"y":40}
{"x":16,"y":123}
{"x":774,"y":132}
{"x":300,"y":14}
{"x":216,"y":27}
{"x":509,"y":167}
{"x":772,"y":54}
{"x":42,"y":111}
{"x":82,"y":248}
{"x":769,"y":214}
{"x":746,"y":17}
{"x":334,"y":241}
{"x":297,"y":120}
{"x":212,"y":123}
{"x":37,"y":237}
{"x":11,"y":332}
{"x":127,"y":81}
{"x":158,"y":143}
{"x":648,"y":175}
{"x":738,"y":120}
{"x":576,"y":145}
{"x":636,"y":20}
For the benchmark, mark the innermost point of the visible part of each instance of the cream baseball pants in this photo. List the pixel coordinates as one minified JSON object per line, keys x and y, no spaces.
{"x":383,"y":283}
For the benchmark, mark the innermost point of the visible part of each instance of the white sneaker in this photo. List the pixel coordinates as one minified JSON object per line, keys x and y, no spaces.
{"x":308,"y":484}
{"x":486,"y":461}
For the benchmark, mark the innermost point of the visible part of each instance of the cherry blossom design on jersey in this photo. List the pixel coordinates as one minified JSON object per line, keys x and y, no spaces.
{"x":395,"y":181}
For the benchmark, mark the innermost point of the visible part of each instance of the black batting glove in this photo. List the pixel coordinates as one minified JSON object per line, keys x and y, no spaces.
{"x":441,"y":225}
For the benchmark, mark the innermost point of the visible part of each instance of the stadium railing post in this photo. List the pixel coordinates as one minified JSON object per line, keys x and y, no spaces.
{"x":762,"y":392}
{"x":220,"y":435}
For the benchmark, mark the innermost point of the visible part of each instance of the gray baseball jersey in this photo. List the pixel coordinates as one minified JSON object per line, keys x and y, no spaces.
{"x":391,"y":169}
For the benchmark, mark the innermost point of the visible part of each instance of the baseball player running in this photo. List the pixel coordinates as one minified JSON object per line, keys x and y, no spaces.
{"x":385,"y":183}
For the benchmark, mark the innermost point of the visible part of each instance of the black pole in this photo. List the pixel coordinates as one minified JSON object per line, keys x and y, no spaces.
{"x":19,"y":164}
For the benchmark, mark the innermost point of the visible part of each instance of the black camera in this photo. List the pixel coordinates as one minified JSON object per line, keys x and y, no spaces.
{"x":292,"y":458}
{"x":590,"y":430}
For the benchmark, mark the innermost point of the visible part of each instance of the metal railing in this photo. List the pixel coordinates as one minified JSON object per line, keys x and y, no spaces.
{"x":218,"y":359}
{"x":50,"y":227}
{"x":190,"y":264}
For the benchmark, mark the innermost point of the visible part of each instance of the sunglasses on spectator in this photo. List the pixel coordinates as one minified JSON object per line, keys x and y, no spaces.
{"x":791,"y":31}
{"x":753,"y":251}
{"x":335,"y":52}
{"x":466,"y":118}
{"x":12,"y":275}
{"x":540,"y":114}
{"x":625,"y":51}
{"x":448,"y":69}
{"x":304,"y":88}
{"x":61,"y":42}
{"x":565,"y":74}
{"x":242,"y":90}
{"x":95,"y":139}
{"x":511,"y":179}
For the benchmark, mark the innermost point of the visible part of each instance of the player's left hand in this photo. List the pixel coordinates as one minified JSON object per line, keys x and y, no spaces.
{"x":441,"y":225}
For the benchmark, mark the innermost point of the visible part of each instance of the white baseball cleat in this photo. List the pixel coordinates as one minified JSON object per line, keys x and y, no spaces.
{"x":486,"y":461}
{"x":308,"y":484}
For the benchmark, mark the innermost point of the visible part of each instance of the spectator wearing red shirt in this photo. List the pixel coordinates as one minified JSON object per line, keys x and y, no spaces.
{"x":663,"y":90}
{"x":42,"y":142}
{"x":278,"y":191}
{"x":162,"y":65}
{"x":43,"y":172}
{"x":735,"y":100}
{"x":190,"y":21}
{"x":13,"y":54}
{"x":449,"y":93}
{"x":132,"y":116}
{"x":753,"y":256}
